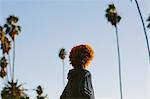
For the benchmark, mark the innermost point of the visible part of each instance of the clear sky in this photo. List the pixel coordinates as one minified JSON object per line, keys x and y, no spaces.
{"x":48,"y":25}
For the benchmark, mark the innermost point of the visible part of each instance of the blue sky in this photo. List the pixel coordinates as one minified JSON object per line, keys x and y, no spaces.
{"x":48,"y":25}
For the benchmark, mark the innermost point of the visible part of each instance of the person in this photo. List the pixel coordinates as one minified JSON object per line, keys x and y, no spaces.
{"x":79,"y":84}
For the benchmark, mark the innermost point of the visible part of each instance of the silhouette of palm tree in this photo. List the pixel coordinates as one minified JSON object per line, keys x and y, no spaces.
{"x":39,"y":91}
{"x":144,"y":28}
{"x":7,"y":36}
{"x":113,"y":17}
{"x":62,"y":55}
{"x":5,"y":47}
{"x":13,"y":91}
{"x":12,"y":29}
{"x":3,"y":65}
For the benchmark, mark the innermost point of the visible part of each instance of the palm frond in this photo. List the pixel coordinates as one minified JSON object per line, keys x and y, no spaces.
{"x":148,"y":20}
{"x":39,"y":91}
{"x":62,"y":53}
{"x":13,"y":91}
{"x":112,"y":15}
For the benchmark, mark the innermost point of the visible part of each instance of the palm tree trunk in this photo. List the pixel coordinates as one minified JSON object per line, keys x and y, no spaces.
{"x":13,"y":65}
{"x":10,"y":68}
{"x":143,"y":28}
{"x":63,"y":73}
{"x":7,"y":76}
{"x":119,"y":63}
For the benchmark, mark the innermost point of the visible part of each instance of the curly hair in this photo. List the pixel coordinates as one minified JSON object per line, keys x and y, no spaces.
{"x":81,"y":55}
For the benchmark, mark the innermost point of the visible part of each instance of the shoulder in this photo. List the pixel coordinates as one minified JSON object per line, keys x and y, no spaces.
{"x":86,"y":73}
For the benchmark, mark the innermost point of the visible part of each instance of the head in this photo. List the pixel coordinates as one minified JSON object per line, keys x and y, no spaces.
{"x":81,"y":56}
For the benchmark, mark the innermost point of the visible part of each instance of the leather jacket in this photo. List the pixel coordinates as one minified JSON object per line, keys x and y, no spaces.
{"x":79,"y":85}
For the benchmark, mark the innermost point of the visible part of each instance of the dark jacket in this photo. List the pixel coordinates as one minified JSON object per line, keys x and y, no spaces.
{"x":79,"y":85}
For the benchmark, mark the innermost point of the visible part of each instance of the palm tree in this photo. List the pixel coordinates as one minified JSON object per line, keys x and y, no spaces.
{"x":39,"y":91}
{"x":7,"y":36}
{"x":3,"y":64}
{"x":5,"y":47}
{"x":144,"y":28}
{"x":13,"y":91}
{"x":148,"y":26}
{"x":62,"y":55}
{"x":113,"y":17}
{"x":11,"y":30}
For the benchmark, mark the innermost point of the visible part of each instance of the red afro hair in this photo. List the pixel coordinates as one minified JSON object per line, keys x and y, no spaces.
{"x":81,"y":55}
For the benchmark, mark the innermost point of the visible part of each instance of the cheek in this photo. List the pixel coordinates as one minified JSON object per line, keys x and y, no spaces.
{"x":87,"y":65}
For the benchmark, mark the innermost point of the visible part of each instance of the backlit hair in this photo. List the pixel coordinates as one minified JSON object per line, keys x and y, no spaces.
{"x":81,"y":55}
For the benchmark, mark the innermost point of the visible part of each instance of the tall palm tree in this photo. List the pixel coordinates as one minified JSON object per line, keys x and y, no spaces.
{"x":113,"y":17}
{"x":148,"y":26}
{"x":12,"y":29}
{"x":7,"y":36}
{"x":144,"y":28}
{"x":62,"y":55}
{"x":5,"y":47}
